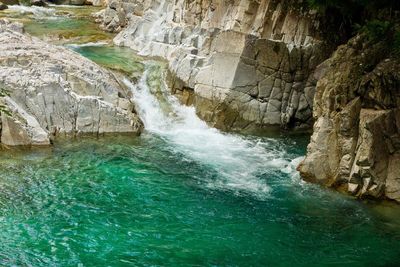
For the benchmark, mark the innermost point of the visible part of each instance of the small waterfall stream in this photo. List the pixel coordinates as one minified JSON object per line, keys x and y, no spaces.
{"x":239,"y":160}
{"x":182,"y":194}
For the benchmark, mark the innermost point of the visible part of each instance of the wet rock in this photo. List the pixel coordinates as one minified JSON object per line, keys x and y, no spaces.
{"x":38,"y":3}
{"x":3,"y":6}
{"x":95,"y":2}
{"x":54,"y":91}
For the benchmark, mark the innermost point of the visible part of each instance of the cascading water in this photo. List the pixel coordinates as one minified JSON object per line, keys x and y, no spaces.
{"x":182,"y":194}
{"x":239,"y":161}
{"x":35,"y":11}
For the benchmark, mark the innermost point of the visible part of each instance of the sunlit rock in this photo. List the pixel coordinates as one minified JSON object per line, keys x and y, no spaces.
{"x":254,"y":59}
{"x":54,"y":91}
{"x":356,"y":141}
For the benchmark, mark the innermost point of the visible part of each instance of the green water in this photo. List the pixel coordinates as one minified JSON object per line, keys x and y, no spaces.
{"x":136,"y":201}
{"x":181,"y":194}
{"x":59,"y":25}
{"x":116,"y":58}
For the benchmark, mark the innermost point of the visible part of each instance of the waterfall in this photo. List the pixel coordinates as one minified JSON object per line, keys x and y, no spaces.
{"x":240,"y":161}
{"x":36,"y":11}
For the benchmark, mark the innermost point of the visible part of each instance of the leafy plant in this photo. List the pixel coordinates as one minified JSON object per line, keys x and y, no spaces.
{"x":396,"y":43}
{"x":25,"y":2}
{"x":344,"y":6}
{"x":377,"y":29}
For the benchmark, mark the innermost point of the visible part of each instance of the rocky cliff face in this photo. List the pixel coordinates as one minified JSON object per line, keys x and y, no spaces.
{"x":356,"y":142}
{"x":244,"y":64}
{"x":53,"y":91}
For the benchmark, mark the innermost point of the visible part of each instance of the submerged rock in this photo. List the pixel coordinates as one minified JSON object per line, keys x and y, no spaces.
{"x":3,"y":6}
{"x":38,"y":3}
{"x":54,"y":91}
{"x":95,"y":2}
{"x":356,"y":141}
{"x":246,"y":64}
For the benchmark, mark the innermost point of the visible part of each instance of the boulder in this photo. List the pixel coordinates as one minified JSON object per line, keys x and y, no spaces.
{"x":3,"y":6}
{"x":54,"y":91}
{"x":95,"y":2}
{"x":355,"y":146}
{"x":77,"y":2}
{"x":38,"y":3}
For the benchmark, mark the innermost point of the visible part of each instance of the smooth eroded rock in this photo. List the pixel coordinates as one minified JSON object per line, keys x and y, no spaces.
{"x":249,"y":63}
{"x":53,"y":91}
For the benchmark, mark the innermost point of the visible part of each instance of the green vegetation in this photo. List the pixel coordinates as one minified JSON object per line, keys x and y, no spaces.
{"x":352,"y":8}
{"x":376,"y":29}
{"x":377,"y":19}
{"x":383,"y":31}
{"x":346,"y":7}
{"x":25,"y":2}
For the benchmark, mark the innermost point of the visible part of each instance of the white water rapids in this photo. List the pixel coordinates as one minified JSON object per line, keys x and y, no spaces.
{"x":238,"y":160}
{"x":36,"y":11}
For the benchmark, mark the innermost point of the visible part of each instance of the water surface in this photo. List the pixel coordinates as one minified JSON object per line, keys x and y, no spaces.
{"x":182,"y":194}
{"x":142,"y":202}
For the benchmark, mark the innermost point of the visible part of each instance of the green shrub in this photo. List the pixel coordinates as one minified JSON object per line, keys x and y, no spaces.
{"x":396,"y":43}
{"x":377,"y":30}
{"x":344,"y":6}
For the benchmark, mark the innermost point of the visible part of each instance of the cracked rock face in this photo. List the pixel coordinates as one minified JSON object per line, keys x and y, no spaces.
{"x":243,"y":64}
{"x":54,"y":91}
{"x":356,"y":140}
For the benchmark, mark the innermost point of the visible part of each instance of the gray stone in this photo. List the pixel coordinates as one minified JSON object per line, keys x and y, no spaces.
{"x":354,"y":144}
{"x":54,"y":91}
{"x":232,"y":49}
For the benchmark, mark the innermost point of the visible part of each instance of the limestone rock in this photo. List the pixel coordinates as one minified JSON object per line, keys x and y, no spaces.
{"x":53,"y":91}
{"x":248,"y":62}
{"x":356,"y":141}
{"x":115,"y":16}
{"x":98,"y":2}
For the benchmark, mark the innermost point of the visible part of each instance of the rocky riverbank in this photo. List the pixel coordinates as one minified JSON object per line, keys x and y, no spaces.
{"x":251,"y":66}
{"x":54,"y":91}
{"x":355,"y":146}
{"x":243,"y":64}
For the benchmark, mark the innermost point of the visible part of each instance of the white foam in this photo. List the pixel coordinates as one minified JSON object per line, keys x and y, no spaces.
{"x":239,"y":161}
{"x":291,"y":167}
{"x":39,"y":12}
{"x":67,"y":6}
{"x":97,"y":44}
